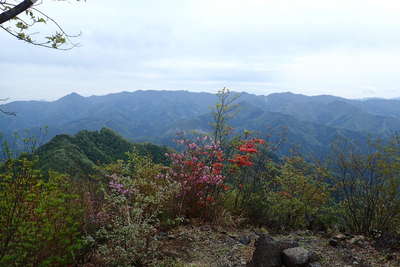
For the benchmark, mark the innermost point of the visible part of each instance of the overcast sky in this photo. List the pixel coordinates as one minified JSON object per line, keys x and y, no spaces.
{"x":348,"y":48}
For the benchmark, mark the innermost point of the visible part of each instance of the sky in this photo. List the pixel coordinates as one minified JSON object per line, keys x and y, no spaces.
{"x":348,"y":48}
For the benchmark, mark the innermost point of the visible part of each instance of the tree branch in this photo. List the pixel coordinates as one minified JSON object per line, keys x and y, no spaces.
{"x":15,"y":11}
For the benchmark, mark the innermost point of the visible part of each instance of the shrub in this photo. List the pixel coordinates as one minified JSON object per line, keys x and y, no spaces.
{"x":136,"y":197}
{"x":246,"y":169}
{"x":198,"y":170}
{"x":39,"y":219}
{"x":295,"y":196}
{"x":368,"y":187}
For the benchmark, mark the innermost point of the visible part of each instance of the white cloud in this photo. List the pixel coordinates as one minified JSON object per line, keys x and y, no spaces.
{"x":347,"y":48}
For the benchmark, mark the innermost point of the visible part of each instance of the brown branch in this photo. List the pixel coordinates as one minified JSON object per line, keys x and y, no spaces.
{"x":51,"y":41}
{"x":15,"y":11}
{"x":44,"y":44}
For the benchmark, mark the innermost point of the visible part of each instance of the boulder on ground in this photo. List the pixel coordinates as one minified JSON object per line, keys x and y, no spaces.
{"x":268,"y":252}
{"x":296,"y":257}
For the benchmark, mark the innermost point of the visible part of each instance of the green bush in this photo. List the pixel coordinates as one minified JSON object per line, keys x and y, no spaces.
{"x":368,"y":187}
{"x":39,"y":219}
{"x":296,"y":197}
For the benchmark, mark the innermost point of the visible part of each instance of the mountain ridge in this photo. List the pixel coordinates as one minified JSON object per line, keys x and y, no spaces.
{"x":156,"y":116}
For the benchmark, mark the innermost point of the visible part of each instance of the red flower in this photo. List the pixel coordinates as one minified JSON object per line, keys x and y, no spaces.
{"x":188,"y":162}
{"x":241,"y":160}
{"x":247,"y":150}
{"x":248,"y":146}
{"x":210,"y":199}
{"x":218,"y":165}
{"x":259,"y":141}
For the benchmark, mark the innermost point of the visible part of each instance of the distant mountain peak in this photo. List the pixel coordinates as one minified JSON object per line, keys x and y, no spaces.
{"x":73,"y":94}
{"x":71,"y":97}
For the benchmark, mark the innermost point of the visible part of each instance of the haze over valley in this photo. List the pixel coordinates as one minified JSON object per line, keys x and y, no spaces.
{"x":307,"y":123}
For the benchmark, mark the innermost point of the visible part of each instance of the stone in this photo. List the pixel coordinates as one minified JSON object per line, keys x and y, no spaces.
{"x":357,"y":240}
{"x":339,"y":237}
{"x":245,"y":240}
{"x":314,"y":264}
{"x":296,"y":257}
{"x":268,"y":252}
{"x":171,"y":237}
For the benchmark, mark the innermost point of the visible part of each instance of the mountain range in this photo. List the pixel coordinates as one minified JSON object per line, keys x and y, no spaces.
{"x":308,"y":123}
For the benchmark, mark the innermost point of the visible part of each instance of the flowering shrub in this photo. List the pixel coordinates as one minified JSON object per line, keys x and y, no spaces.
{"x":247,"y":148}
{"x":135,"y":198}
{"x":198,"y":169}
{"x":243,"y":158}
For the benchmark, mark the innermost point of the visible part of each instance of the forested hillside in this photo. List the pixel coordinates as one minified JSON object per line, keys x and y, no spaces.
{"x":308,"y":124}
{"x":82,"y":154}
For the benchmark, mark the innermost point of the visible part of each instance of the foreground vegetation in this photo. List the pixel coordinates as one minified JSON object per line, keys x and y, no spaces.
{"x":115,"y":218}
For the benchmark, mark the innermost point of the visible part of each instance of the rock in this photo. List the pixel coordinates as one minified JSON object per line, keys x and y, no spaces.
{"x":233,"y":235}
{"x":162,"y":235}
{"x":261,"y":231}
{"x":337,"y":239}
{"x":340,"y":237}
{"x":268,"y":252}
{"x":245,"y":239}
{"x":296,"y":257}
{"x":315,"y":264}
{"x":357,"y":240}
{"x":253,"y":236}
{"x":171,"y":237}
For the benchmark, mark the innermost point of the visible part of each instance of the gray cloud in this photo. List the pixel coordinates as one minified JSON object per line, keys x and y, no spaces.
{"x":345,"y":48}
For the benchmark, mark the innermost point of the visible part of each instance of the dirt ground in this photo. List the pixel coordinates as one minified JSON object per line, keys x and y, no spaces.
{"x":210,"y":246}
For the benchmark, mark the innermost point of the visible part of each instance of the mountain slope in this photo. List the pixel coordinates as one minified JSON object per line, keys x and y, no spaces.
{"x":156,"y":116}
{"x":81,"y":154}
{"x":375,"y":116}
